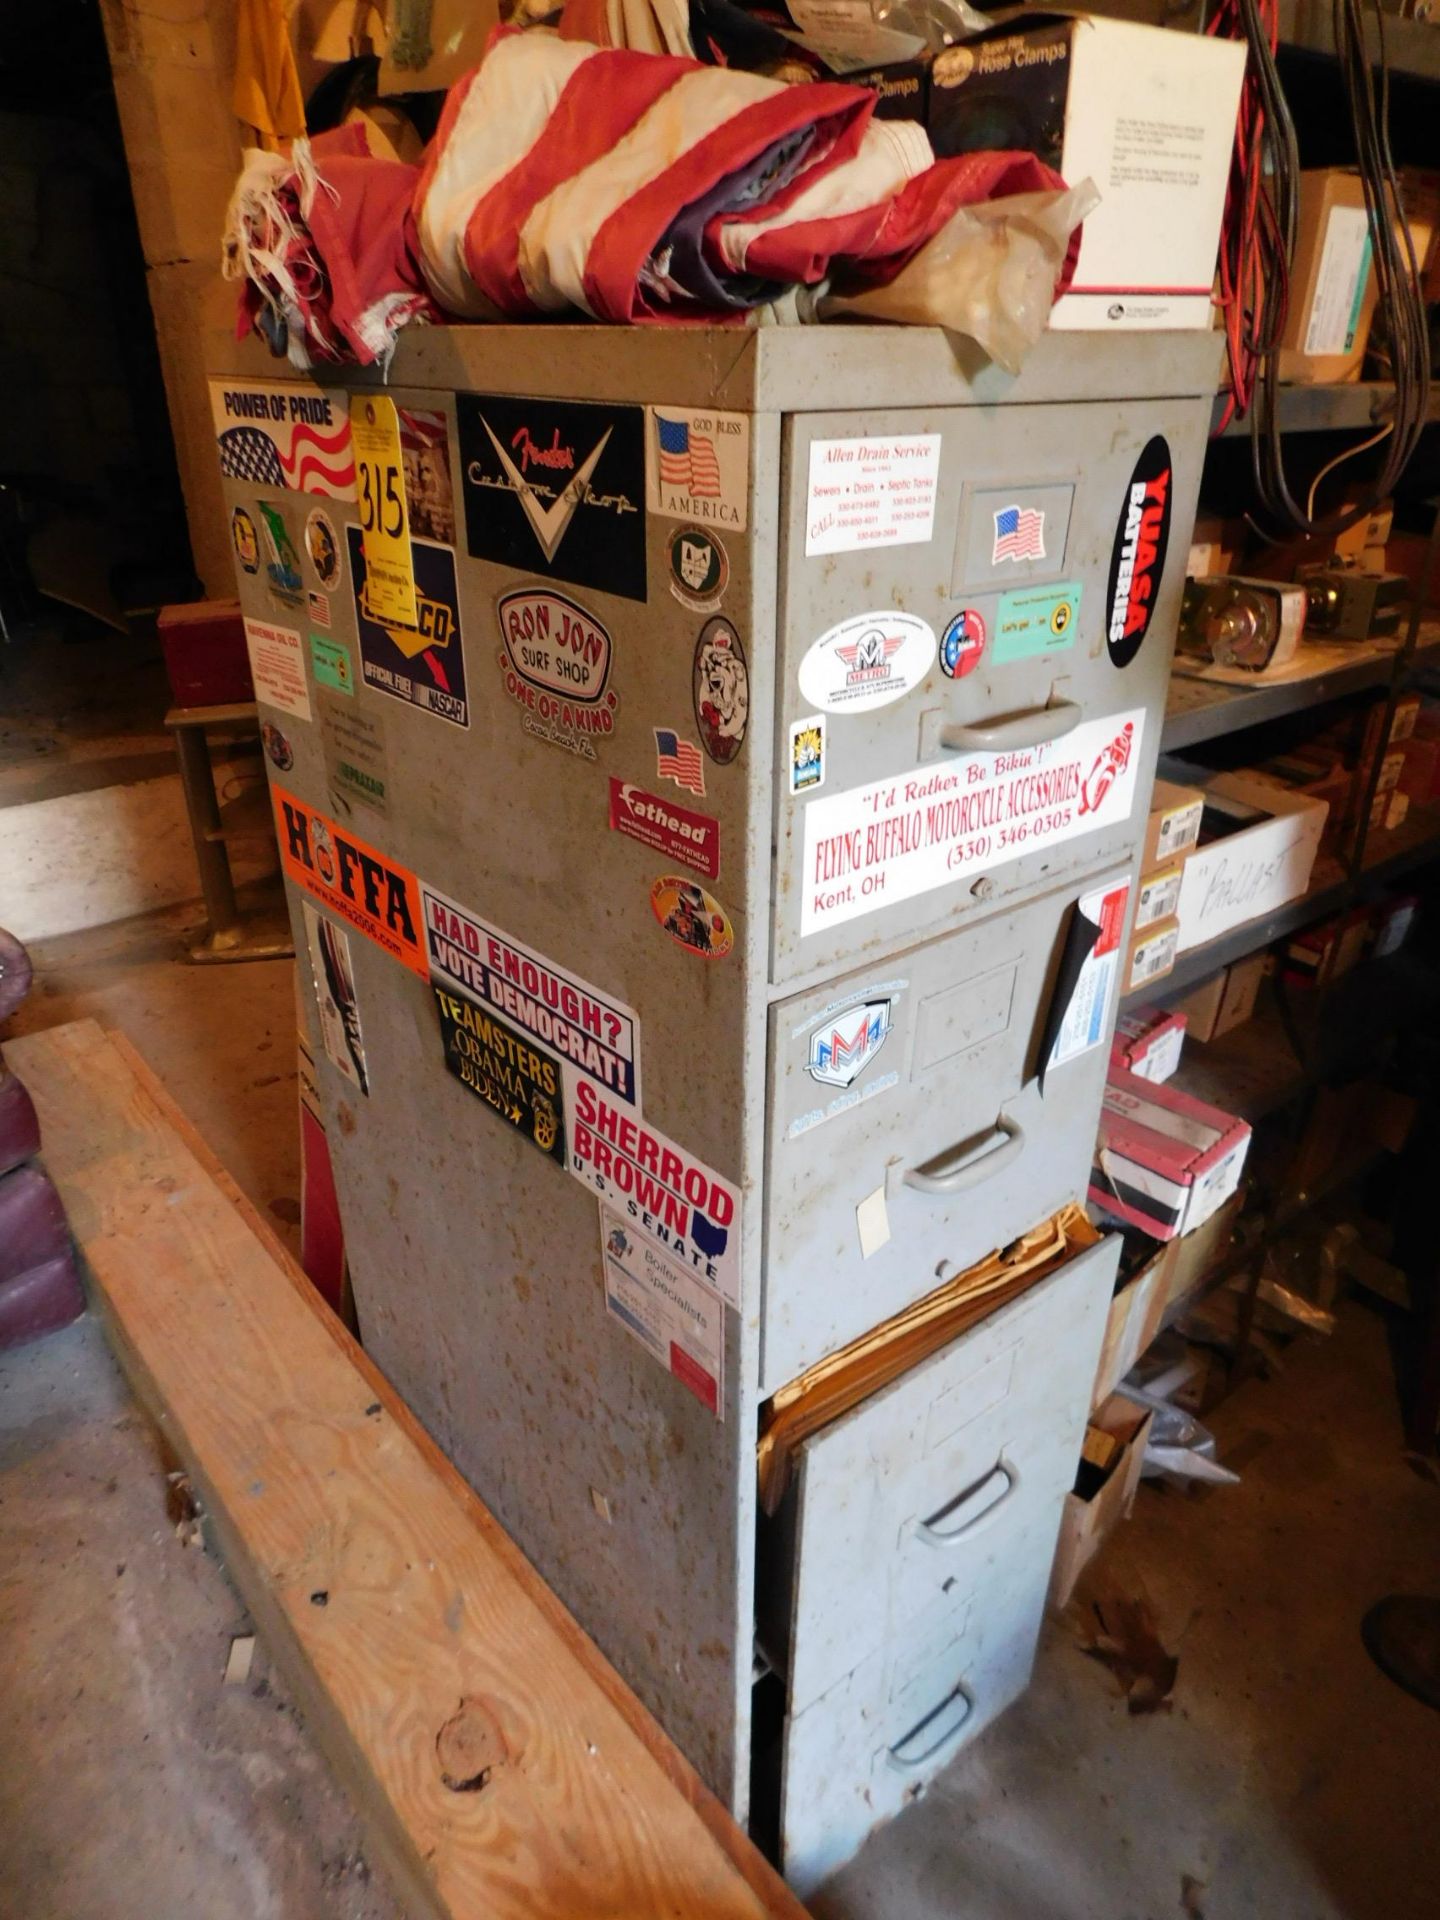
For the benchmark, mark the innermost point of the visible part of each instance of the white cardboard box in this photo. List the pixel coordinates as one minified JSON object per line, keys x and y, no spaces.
{"x":1253,"y":871}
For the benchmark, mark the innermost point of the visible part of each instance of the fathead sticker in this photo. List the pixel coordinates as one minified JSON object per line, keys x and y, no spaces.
{"x":1137,"y":559}
{"x":557,"y":488}
{"x":598,"y":1034}
{"x":423,"y":665}
{"x":323,"y":548}
{"x":722,"y":691}
{"x":962,"y":645}
{"x":277,"y":667}
{"x":1019,"y":534}
{"x":675,"y":1318}
{"x":245,"y":541}
{"x":699,"y":568}
{"x":691,"y":917}
{"x":289,"y":435}
{"x":517,"y":1080}
{"x":700,"y":468}
{"x":692,"y":838}
{"x":807,"y":754}
{"x":657,"y":1186}
{"x":358,"y":882}
{"x":867,"y":661}
{"x":335,"y":1001}
{"x":874,"y":846}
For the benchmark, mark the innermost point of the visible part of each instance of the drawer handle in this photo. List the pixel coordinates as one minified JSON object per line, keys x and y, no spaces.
{"x":1033,"y":729}
{"x":946,"y":1718}
{"x":966,"y":1529}
{"x":971,"y":1162}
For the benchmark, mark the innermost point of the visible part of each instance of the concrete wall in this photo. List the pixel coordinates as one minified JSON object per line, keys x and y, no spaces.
{"x":173,"y":64}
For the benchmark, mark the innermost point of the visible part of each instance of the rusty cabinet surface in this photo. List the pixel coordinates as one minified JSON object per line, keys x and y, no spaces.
{"x":696,"y":904}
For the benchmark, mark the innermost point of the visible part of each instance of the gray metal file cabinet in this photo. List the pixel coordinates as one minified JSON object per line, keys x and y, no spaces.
{"x":690,"y":898}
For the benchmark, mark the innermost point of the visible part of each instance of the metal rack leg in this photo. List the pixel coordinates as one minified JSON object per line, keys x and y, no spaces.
{"x":217,"y":886}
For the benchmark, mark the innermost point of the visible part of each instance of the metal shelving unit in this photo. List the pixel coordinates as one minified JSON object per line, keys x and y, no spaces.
{"x":1200,"y":709}
{"x":1411,"y":46}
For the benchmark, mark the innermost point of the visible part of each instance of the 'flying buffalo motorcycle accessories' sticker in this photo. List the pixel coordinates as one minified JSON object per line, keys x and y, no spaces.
{"x":666,"y":827}
{"x":867,"y":661}
{"x":1137,"y":559}
{"x":807,"y":754}
{"x":323,"y":548}
{"x":516,"y":1078}
{"x":355,"y":880}
{"x":699,"y":568}
{"x":422,"y":665}
{"x":722,"y":691}
{"x":842,"y":1044}
{"x":284,"y":434}
{"x":556,"y":488}
{"x":962,"y":644}
{"x":692,"y":917}
{"x":245,"y":540}
{"x":335,"y":1002}
{"x":555,"y":661}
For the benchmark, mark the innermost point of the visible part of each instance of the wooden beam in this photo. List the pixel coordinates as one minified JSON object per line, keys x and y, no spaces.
{"x":501,"y":1765}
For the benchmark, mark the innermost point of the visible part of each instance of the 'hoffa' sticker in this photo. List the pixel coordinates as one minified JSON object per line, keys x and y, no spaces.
{"x":598,"y":1033}
{"x":661,"y":1189}
{"x":1137,"y":560}
{"x":357,"y":882}
{"x":691,"y":838}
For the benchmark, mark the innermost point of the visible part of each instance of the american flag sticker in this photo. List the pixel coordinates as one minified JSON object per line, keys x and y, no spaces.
{"x":698,"y":467}
{"x":679,"y":760}
{"x":1019,"y":535}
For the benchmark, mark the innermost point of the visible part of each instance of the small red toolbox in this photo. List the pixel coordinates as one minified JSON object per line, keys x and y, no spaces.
{"x":205,"y":654}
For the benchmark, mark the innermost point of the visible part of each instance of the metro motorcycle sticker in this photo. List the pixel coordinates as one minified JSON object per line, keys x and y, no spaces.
{"x":867,"y":661}
{"x":556,"y":488}
{"x":284,"y":434}
{"x":423,"y":665}
{"x":666,"y":826}
{"x":518,"y":1081}
{"x":597,"y":1033}
{"x":874,"y":846}
{"x":665,"y":1192}
{"x":1137,"y":559}
{"x":357,"y":882}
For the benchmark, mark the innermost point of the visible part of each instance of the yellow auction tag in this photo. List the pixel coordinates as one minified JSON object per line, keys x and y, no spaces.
{"x":384,"y":517}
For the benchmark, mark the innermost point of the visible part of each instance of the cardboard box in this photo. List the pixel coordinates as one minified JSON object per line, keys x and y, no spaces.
{"x":1258,"y":845}
{"x":1103,"y":1496}
{"x":1164,"y":1161}
{"x":1332,"y":280}
{"x":1150,"y":955}
{"x":1226,"y":1000}
{"x":1148,"y":1043}
{"x":1215,"y":546}
{"x":1065,"y":86}
{"x":1157,"y":1293}
{"x":1158,"y":894}
{"x":1319,"y":954}
{"x":1173,"y":826}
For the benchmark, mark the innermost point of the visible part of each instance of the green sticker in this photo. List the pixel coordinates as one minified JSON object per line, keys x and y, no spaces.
{"x":332,"y":664}
{"x":1036,"y":620}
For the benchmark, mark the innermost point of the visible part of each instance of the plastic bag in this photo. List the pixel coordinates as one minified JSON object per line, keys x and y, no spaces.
{"x":990,"y":272}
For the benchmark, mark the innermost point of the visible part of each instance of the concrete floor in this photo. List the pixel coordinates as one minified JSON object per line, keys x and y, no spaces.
{"x":1289,"y":1780}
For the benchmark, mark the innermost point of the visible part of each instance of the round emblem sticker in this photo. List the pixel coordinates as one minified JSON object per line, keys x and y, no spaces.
{"x":699,"y":568}
{"x":962,"y":645}
{"x":1137,"y":560}
{"x":323,"y":549}
{"x":722,"y":691}
{"x":245,"y":540}
{"x":1061,"y":615}
{"x":277,"y":747}
{"x":690,"y":915}
{"x":867,"y":661}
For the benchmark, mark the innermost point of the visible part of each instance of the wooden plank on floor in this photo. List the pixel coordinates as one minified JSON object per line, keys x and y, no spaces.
{"x":502,"y":1766}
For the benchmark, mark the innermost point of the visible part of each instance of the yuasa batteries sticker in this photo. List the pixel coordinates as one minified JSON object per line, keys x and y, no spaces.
{"x":867,"y":661}
{"x":556,"y":488}
{"x":962,"y":644}
{"x":422,"y":665}
{"x":356,"y":881}
{"x":679,"y":1322}
{"x":874,"y":846}
{"x":597,"y":1033}
{"x":284,"y":434}
{"x":1137,"y":559}
{"x":807,"y":754}
{"x":657,"y":1186}
{"x":721,"y":690}
{"x":699,"y":568}
{"x":691,"y":916}
{"x":335,"y":1000}
{"x":666,"y":826}
{"x":555,"y":661}
{"x":700,"y":466}
{"x":277,"y":667}
{"x":1079,"y":1014}
{"x":515,"y":1078}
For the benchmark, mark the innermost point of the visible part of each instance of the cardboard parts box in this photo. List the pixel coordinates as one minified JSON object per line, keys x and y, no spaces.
{"x":1164,"y":1161}
{"x":1332,"y":279}
{"x":1257,"y":848}
{"x":1105,"y":1488}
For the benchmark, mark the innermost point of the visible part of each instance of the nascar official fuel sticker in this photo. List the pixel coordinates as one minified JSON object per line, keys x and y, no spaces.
{"x":1137,"y":560}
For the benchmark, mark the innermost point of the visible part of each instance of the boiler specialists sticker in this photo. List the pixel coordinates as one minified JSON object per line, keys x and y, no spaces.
{"x":335,"y":1001}
{"x":515,"y":1078}
{"x":679,"y":1322}
{"x":872,"y":846}
{"x":867,"y":661}
{"x":423,"y":665}
{"x":691,"y":838}
{"x":700,"y":466}
{"x":871,"y":493}
{"x":555,"y":659}
{"x":1137,"y":559}
{"x":356,"y":881}
{"x":277,"y":666}
{"x":658,"y":1188}
{"x":284,"y":434}
{"x":569,"y":1017}
{"x":556,"y":488}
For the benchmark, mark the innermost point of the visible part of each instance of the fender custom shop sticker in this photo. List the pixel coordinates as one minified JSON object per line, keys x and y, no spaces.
{"x":1137,"y":559}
